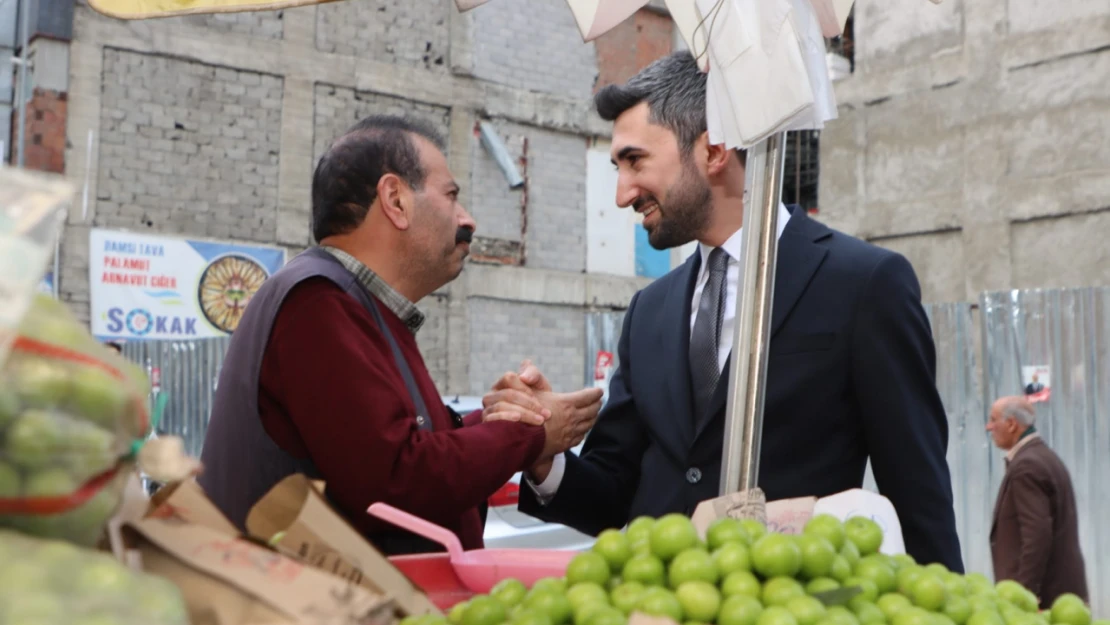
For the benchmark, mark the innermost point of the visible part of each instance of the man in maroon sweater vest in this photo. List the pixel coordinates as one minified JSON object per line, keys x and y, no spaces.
{"x":332,"y":396}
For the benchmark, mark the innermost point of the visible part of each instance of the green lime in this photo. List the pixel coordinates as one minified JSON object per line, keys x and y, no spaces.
{"x":828,"y":527}
{"x":780,"y":590}
{"x":776,"y":555}
{"x":615,"y":547}
{"x":484,"y":610}
{"x":509,"y":592}
{"x":732,"y":556}
{"x":818,"y":555}
{"x":692,"y":565}
{"x":626,"y":596}
{"x":98,"y":397}
{"x":671,"y":535}
{"x":41,"y":383}
{"x":661,"y":602}
{"x":776,"y":615}
{"x":586,"y":592}
{"x":739,"y":610}
{"x":742,"y":583}
{"x":646,"y":569}
{"x":806,"y":610}
{"x":700,"y":600}
{"x":552,"y":604}
{"x":588,"y":566}
{"x":726,"y":530}
{"x":33,"y":439}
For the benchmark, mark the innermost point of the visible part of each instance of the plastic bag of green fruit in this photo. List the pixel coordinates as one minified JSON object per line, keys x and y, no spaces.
{"x":49,"y":581}
{"x":70,"y":412}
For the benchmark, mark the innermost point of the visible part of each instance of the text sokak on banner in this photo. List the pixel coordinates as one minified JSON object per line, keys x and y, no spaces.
{"x":141,"y":322}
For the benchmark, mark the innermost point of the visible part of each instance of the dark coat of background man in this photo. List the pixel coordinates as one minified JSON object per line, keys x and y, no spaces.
{"x":323,"y":375}
{"x":852,"y":364}
{"x":1035,"y":532}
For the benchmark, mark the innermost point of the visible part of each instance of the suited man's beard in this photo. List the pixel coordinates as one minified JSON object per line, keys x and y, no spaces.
{"x":685,"y":215}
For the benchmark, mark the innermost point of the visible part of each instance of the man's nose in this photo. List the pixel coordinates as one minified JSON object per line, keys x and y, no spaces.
{"x":466,"y":220}
{"x":627,"y":193}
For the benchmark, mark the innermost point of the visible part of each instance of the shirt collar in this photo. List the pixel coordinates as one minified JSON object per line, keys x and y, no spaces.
{"x":734,"y":245}
{"x":1025,"y":440}
{"x":398,"y":304}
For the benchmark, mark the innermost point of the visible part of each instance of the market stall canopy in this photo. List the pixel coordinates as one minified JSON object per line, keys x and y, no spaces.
{"x":774,"y":48}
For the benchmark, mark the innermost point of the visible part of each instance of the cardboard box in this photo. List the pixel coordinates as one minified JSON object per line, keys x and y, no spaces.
{"x":296,"y":518}
{"x":227,"y":580}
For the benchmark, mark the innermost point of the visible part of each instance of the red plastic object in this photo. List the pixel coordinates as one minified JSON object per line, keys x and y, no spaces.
{"x":479,"y":570}
{"x":507,"y":495}
{"x":435,"y":575}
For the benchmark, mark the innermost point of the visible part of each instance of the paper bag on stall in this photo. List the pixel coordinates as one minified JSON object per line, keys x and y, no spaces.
{"x":231,"y":581}
{"x":295,"y":517}
{"x":789,"y":516}
{"x":746,"y":504}
{"x":186,"y":501}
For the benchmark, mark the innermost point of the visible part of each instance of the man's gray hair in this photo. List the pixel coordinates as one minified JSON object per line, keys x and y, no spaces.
{"x":674,"y":89}
{"x":1025,"y":415}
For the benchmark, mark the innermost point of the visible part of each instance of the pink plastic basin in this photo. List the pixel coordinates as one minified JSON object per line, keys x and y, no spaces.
{"x":478,"y":570}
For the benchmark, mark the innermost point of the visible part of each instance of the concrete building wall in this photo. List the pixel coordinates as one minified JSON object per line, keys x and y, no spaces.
{"x":210,"y":126}
{"x":974,"y":137}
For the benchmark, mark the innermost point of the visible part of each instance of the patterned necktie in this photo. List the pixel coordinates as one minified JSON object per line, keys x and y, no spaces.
{"x":706,"y":337}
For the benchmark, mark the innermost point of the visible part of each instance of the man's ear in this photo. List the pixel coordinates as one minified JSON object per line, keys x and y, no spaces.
{"x":395,"y":200}
{"x":717,"y":156}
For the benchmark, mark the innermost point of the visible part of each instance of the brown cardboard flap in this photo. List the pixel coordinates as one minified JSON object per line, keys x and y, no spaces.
{"x":639,"y":618}
{"x":747,"y":504}
{"x":295,"y":517}
{"x":186,"y":501}
{"x":789,"y":516}
{"x":231,"y":581}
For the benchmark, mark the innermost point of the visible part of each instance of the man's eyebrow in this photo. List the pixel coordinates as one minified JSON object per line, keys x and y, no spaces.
{"x":625,"y":153}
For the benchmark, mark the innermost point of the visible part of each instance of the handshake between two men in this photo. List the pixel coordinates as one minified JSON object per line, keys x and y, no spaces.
{"x":527,"y":397}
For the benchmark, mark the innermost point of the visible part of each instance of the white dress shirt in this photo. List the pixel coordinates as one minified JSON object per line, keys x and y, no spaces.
{"x":733,"y":246}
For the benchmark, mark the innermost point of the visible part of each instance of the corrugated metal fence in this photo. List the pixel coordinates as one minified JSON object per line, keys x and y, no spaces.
{"x":1066,"y":331}
{"x":186,"y":372}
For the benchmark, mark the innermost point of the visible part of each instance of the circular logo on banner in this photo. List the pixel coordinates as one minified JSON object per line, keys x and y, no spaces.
{"x":226,"y":287}
{"x":139,"y":322}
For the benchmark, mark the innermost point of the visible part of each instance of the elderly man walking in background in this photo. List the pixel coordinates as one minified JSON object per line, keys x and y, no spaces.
{"x":1035,"y":532}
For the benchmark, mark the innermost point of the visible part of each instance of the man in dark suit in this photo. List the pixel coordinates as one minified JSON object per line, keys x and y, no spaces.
{"x":1035,"y":532}
{"x":851,"y":369}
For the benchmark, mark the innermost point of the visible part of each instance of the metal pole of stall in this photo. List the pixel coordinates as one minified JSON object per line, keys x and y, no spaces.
{"x":748,"y":373}
{"x":21,"y":100}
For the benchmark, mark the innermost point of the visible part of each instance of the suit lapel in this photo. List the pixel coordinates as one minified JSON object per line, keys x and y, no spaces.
{"x":675,"y":339}
{"x":799,"y":257}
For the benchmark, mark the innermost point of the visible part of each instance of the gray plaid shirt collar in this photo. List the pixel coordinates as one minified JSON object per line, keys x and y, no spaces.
{"x":399,"y":304}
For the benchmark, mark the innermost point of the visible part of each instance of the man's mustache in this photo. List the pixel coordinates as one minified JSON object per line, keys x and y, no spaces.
{"x":463,"y":235}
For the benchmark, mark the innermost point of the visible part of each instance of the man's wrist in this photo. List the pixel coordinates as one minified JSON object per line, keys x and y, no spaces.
{"x":539,"y":471}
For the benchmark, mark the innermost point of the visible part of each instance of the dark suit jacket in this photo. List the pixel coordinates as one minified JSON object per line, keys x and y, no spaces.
{"x":851,"y":373}
{"x":1035,"y":532}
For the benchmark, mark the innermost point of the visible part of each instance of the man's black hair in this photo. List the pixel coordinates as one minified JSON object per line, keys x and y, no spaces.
{"x":345,"y":183}
{"x":674,"y":89}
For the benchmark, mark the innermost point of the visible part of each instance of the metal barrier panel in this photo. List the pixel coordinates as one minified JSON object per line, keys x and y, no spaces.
{"x":969,"y":452}
{"x":1063,"y":335}
{"x":603,"y":330}
{"x":186,"y":372}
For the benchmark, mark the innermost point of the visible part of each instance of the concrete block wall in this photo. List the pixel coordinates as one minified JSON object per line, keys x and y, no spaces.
{"x":974,"y":138}
{"x":210,"y":127}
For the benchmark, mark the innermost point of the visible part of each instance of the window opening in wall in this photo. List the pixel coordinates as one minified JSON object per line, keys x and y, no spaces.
{"x":844,"y":45}
{"x":802,"y":169}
